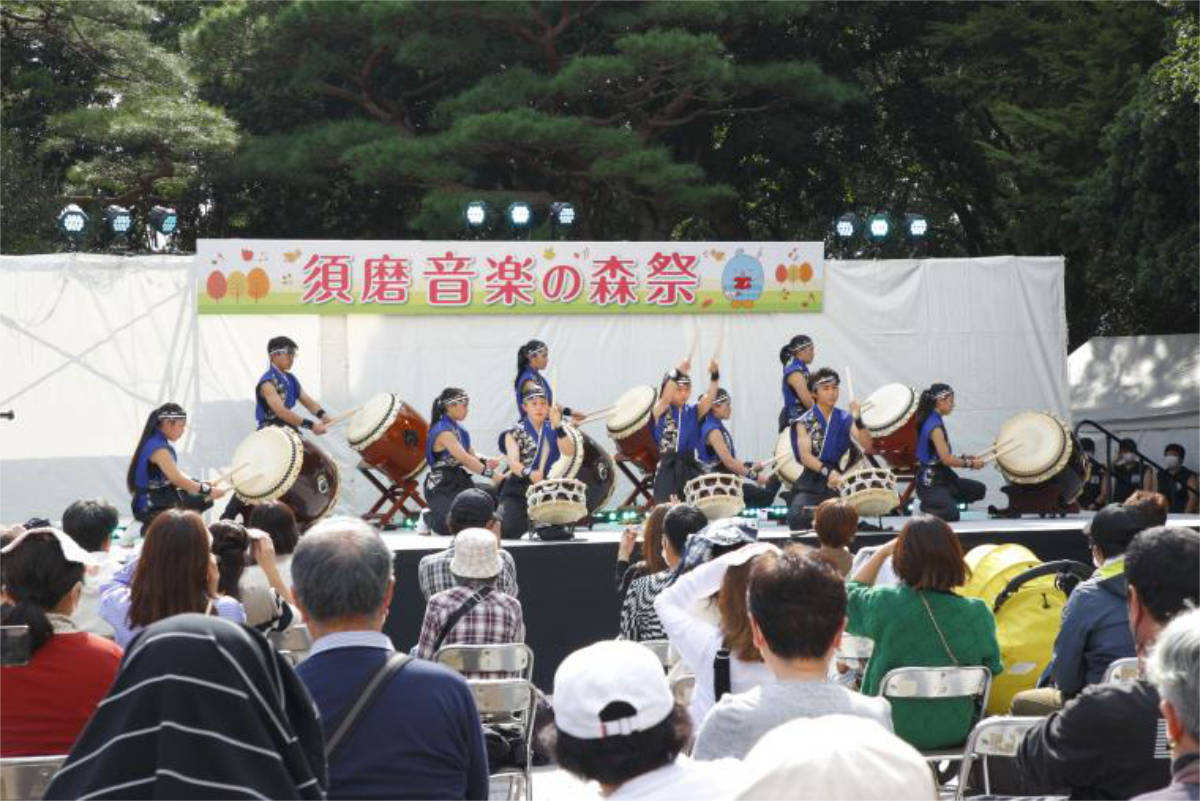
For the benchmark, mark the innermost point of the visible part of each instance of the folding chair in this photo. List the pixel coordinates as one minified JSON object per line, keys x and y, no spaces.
{"x":931,"y":683}
{"x":854,"y":653}
{"x":999,"y":736}
{"x":292,"y":643}
{"x":512,"y":658}
{"x":682,"y":688}
{"x":1122,"y":670}
{"x":27,"y":777}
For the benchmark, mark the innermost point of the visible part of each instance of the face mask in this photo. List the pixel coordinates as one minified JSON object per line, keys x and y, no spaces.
{"x":1171,"y":462}
{"x":1126,"y":458}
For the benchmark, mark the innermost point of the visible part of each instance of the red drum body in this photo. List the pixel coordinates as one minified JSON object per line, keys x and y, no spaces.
{"x":391,"y":436}
{"x":631,"y":425}
{"x":280,"y":465}
{"x":316,"y":489}
{"x":891,"y":418}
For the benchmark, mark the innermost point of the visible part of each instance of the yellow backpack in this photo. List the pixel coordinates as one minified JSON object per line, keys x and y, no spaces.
{"x":1027,"y":597}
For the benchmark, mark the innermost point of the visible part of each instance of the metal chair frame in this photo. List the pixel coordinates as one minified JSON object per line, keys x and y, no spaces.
{"x":931,"y":683}
{"x":999,"y":736}
{"x":1125,"y":669}
{"x":27,"y":777}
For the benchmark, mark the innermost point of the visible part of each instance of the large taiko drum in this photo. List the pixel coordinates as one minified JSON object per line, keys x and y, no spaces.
{"x":280,"y":465}
{"x":718,"y":495}
{"x":1037,"y":448}
{"x":390,"y":435}
{"x":557,"y":501}
{"x":891,"y":418}
{"x":786,"y":466}
{"x":870,"y":490}
{"x":631,"y":425}
{"x":590,"y":464}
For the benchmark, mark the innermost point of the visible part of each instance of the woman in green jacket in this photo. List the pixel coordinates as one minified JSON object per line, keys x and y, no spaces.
{"x":922,"y":623}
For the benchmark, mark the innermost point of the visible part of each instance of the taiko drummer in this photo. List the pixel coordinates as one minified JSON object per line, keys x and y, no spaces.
{"x":795,"y":357}
{"x":154,"y":477}
{"x":939,"y":488}
{"x":532,"y":358}
{"x":677,"y":429}
{"x":451,"y":459}
{"x":717,"y":454}
{"x":532,"y":446}
{"x":820,"y":438}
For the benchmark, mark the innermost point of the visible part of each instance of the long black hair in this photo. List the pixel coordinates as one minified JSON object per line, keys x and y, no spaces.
{"x":229,"y":544}
{"x":928,"y":398}
{"x":36,"y":577}
{"x":439,"y":403}
{"x":165,"y":411}
{"x":523,"y":354}
{"x":798,"y":342}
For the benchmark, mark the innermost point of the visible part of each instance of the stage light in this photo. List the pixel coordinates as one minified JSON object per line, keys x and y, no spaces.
{"x":878,"y":227}
{"x":72,"y":222}
{"x":846,"y":226}
{"x":164,"y":220}
{"x":563,"y":214}
{"x":475,"y":213}
{"x":917,"y":226}
{"x":519,"y":214}
{"x":118,"y":219}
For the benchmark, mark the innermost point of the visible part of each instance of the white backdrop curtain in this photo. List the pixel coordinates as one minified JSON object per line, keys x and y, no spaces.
{"x":89,"y":344}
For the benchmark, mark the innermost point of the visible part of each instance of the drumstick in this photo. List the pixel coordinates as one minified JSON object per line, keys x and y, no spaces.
{"x":997,"y":446}
{"x":1014,"y":446}
{"x":340,"y":418}
{"x":862,"y":407}
{"x":850,"y":386}
{"x":591,"y":419}
{"x":692,"y":348}
{"x":228,"y":475}
{"x":223,"y":479}
{"x":598,"y":413}
{"x":720,"y":341}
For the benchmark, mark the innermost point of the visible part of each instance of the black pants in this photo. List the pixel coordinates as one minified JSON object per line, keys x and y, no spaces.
{"x":753,"y":494}
{"x":513,"y":512}
{"x":441,"y":488}
{"x":940,"y":490}
{"x":807,"y":493}
{"x":165,"y":498}
{"x":674,"y":471}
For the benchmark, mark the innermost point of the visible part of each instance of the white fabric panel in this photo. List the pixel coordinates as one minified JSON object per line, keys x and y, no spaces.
{"x":89,"y":344}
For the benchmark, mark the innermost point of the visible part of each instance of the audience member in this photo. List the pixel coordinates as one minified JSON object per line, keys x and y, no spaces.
{"x":266,"y":583}
{"x":1176,"y":482}
{"x":475,"y":612}
{"x":421,"y":737}
{"x":1109,"y":741}
{"x":48,"y":701}
{"x":267,"y":607}
{"x":797,"y":611}
{"x":175,"y":573}
{"x":471,"y":508}
{"x":617,"y":723}
{"x":1151,"y":504}
{"x":91,"y":523}
{"x":229,"y":545}
{"x":920,"y":622}
{"x":650,"y":535}
{"x":202,"y":708}
{"x":722,"y":656}
{"x":835,"y":757}
{"x":1174,"y":670}
{"x":1095,"y":625}
{"x":711,"y":539}
{"x":836,"y":523}
{"x":639,"y":621}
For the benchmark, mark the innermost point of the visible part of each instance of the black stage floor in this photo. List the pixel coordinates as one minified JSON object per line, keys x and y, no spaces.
{"x":569,"y":595}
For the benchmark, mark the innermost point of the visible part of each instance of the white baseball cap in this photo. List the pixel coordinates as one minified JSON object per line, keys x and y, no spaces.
{"x":476,"y":554}
{"x":609,"y":672}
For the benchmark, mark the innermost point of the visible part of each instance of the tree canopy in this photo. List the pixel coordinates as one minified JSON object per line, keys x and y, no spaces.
{"x":1024,"y":127}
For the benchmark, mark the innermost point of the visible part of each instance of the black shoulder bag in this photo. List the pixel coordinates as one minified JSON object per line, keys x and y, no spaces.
{"x":461,"y":611}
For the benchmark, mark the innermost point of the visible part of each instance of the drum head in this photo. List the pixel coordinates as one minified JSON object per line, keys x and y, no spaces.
{"x":787,"y":468}
{"x":557,"y":501}
{"x":371,"y":421}
{"x":871,"y":491}
{"x":717,"y":495}
{"x":273,"y":457}
{"x":631,"y":410}
{"x":568,"y":466}
{"x":1037,"y":445}
{"x":890,"y":407}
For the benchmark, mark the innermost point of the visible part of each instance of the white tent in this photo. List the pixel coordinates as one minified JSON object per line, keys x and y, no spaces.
{"x":1142,"y":387}
{"x":90,"y":343}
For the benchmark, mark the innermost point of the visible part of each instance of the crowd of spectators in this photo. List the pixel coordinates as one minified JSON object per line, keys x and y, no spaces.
{"x":147,"y":666}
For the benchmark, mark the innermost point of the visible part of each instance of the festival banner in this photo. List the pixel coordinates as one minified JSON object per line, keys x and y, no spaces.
{"x":279,"y":276}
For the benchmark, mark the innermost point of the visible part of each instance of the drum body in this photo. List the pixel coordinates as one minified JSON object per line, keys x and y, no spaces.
{"x":870,"y":490}
{"x":718,"y":495}
{"x":1039,"y":450}
{"x":631,"y":426}
{"x":557,"y":501}
{"x":391,"y":436}
{"x":891,"y":420}
{"x":282,"y":466}
{"x":590,"y":464}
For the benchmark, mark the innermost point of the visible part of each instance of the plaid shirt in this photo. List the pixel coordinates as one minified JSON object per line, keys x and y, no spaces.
{"x":495,"y":619}
{"x":434,"y":576}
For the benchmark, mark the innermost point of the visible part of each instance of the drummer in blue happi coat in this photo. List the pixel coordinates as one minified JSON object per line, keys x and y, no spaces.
{"x":677,"y":429}
{"x":795,"y":357}
{"x":717,"y":454}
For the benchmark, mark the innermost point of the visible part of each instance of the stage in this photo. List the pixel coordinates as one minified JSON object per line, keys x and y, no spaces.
{"x":569,"y":594}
